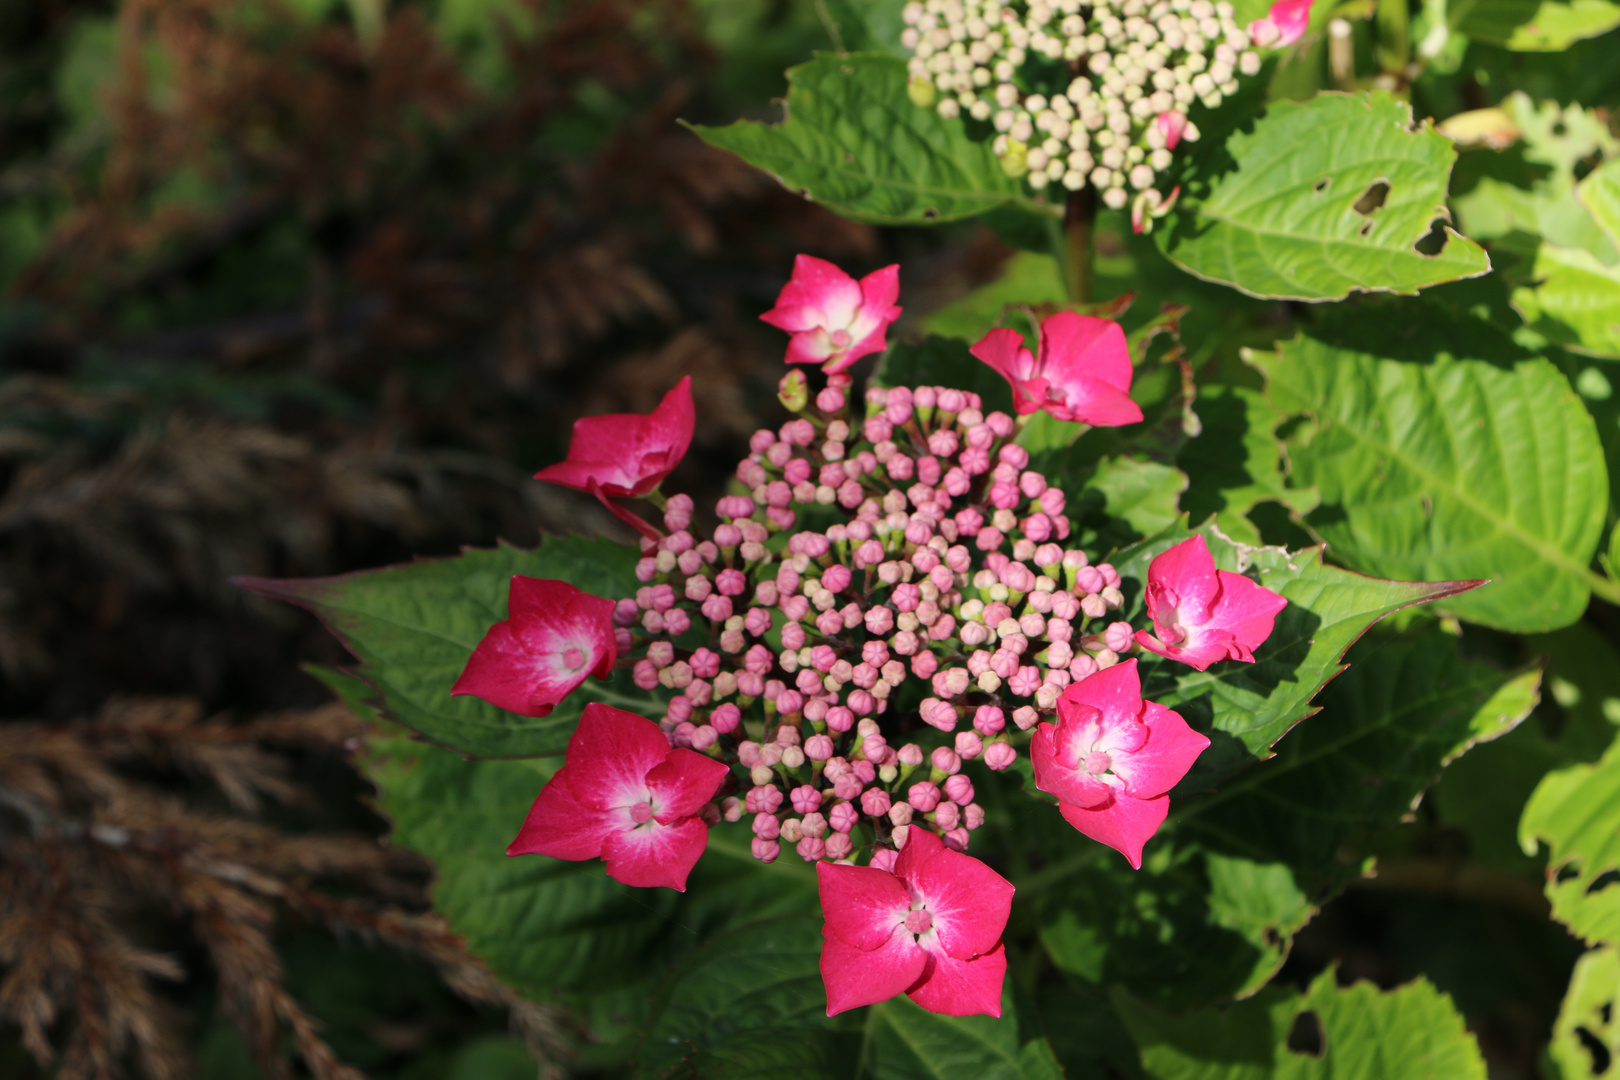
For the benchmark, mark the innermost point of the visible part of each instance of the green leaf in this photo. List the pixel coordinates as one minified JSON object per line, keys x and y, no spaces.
{"x":1575,"y":300}
{"x":1236,"y":463}
{"x":1534,"y":25}
{"x":1410,"y":1033}
{"x":1591,"y":1009}
{"x":1576,"y":812}
{"x":1191,"y":927}
{"x":1443,"y":450}
{"x":542,"y":924}
{"x":905,"y":1042}
{"x":1245,"y":708}
{"x":1126,"y":498}
{"x":413,"y":627}
{"x":867,"y":25}
{"x":1027,"y":280}
{"x":1600,"y":194}
{"x":750,"y":1003}
{"x":1272,"y":210}
{"x":853,"y":141}
{"x":1406,"y":708}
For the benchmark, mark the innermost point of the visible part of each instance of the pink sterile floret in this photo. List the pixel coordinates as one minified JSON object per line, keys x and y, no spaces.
{"x":1112,"y":758}
{"x":1082,"y":371}
{"x":1202,"y":615}
{"x":626,"y":797}
{"x":930,"y":928}
{"x":1283,"y":25}
{"x":553,"y":637}
{"x":834,"y":319}
{"x":626,"y":454}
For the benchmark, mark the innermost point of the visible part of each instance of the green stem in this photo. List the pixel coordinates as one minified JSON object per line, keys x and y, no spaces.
{"x":1394,"y":45}
{"x":1079,"y":221}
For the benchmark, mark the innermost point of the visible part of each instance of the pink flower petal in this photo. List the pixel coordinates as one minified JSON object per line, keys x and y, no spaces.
{"x":969,"y":902}
{"x":1185,"y":577}
{"x":921,"y":845}
{"x":1124,"y":824}
{"x":610,"y":755}
{"x":1166,"y":756}
{"x":821,"y":286}
{"x":863,"y":906}
{"x":1075,"y":346}
{"x":683,"y":782}
{"x":501,"y":672}
{"x":1116,"y":692}
{"x":656,"y":854}
{"x":627,"y":454}
{"x":1056,"y":776}
{"x":1003,"y":349}
{"x":1247,"y":609}
{"x":856,"y":977}
{"x":1291,"y":18}
{"x":953,"y":987}
{"x":558,"y":826}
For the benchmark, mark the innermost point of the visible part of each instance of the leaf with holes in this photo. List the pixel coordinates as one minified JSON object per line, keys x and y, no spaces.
{"x":1586,"y":1037}
{"x":413,"y":627}
{"x":1410,"y":1033}
{"x":1576,"y":813}
{"x":853,"y":141}
{"x":1245,"y":708}
{"x":1273,"y":210}
{"x":1533,"y":25}
{"x":1441,"y":449}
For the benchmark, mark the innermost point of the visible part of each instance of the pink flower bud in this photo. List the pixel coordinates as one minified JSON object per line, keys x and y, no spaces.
{"x":999,"y":756}
{"x":863,"y":702}
{"x":910,"y":755}
{"x":939,"y":714}
{"x":900,"y":813}
{"x":830,"y":400}
{"x":766,"y":851}
{"x":989,"y":539}
{"x":1014,"y":455}
{"x":842,"y":817}
{"x":884,"y":859}
{"x":1025,"y":717}
{"x":905,"y":643}
{"x":923,"y":797}
{"x":969,"y":744}
{"x":1119,"y":636}
{"x":805,"y":799}
{"x":947,"y":815}
{"x":1037,"y":527}
{"x":813,"y":824}
{"x":840,"y":719}
{"x":924,"y":664}
{"x":1094,"y":606}
{"x":957,"y":839}
{"x":875,"y":802}
{"x":945,"y":760}
{"x":789,"y":702}
{"x":716,"y":608}
{"x":767,"y":827}
{"x":872,"y":746}
{"x":959,"y":789}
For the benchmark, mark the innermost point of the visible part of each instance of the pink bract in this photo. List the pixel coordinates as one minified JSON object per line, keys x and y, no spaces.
{"x":553,"y":637}
{"x":1112,"y":758}
{"x":834,"y":319}
{"x":624,"y":796}
{"x":627,"y":454}
{"x":1082,"y":371}
{"x":1283,"y":25}
{"x":1171,"y":125}
{"x":930,"y":928}
{"x":1202,"y":615}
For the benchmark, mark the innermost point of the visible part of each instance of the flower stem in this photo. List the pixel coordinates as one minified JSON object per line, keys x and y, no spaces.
{"x":1079,"y":219}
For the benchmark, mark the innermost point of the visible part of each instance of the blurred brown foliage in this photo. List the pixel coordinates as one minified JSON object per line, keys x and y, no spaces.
{"x":312,"y":299}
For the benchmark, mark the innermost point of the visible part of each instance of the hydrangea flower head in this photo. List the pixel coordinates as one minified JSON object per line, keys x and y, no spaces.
{"x":626,"y":797}
{"x":554,"y":635}
{"x":1112,"y":758}
{"x":929,"y":928}
{"x":627,"y":455}
{"x":834,"y":319}
{"x":1202,"y":615}
{"x":1082,"y":371}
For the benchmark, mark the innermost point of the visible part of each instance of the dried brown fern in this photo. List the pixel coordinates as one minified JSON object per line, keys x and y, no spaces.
{"x":88,"y":851}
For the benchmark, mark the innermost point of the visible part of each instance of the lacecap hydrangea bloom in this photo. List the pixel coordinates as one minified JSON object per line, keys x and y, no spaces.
{"x":873,"y":545}
{"x":1088,"y":95}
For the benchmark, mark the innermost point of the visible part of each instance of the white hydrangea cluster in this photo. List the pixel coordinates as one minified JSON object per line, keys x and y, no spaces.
{"x":1080,"y":93}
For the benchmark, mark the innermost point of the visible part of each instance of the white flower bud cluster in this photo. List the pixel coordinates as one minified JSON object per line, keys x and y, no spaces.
{"x":1074,"y":90}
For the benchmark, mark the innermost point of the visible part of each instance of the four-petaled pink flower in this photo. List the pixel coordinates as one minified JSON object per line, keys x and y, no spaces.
{"x":1202,"y":615}
{"x":552,"y":638}
{"x":1082,"y":372}
{"x":930,"y":929}
{"x":834,"y":319}
{"x":626,"y":797}
{"x":627,"y":455}
{"x":1112,"y":758}
{"x":1283,"y":25}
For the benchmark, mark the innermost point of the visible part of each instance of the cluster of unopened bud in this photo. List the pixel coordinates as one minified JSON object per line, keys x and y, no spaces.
{"x":1090,"y":94}
{"x":784,"y":645}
